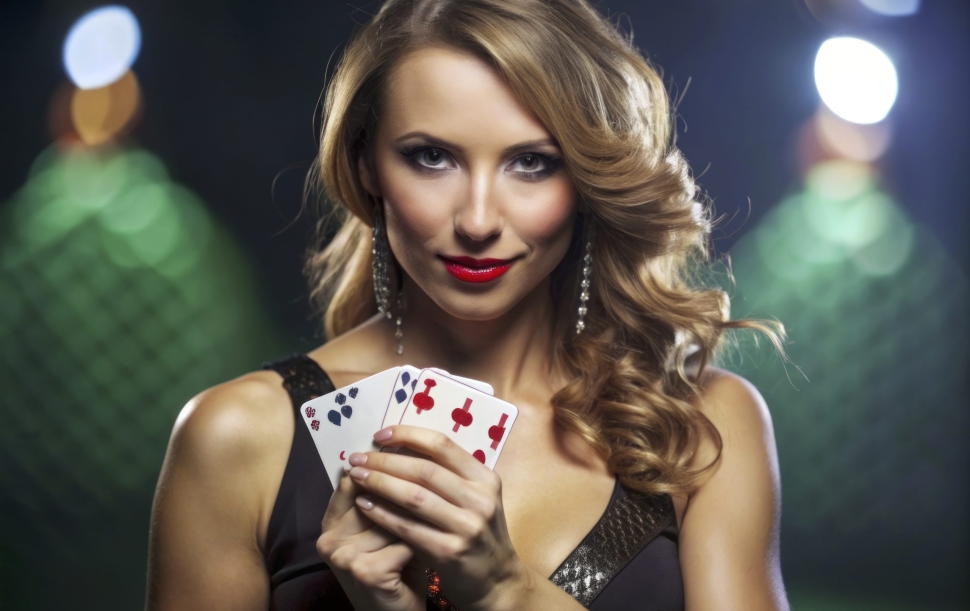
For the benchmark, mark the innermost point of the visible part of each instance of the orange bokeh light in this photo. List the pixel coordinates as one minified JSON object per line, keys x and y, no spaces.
{"x":100,"y":115}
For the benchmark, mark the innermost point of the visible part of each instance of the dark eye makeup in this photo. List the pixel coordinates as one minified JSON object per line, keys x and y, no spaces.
{"x":424,"y":158}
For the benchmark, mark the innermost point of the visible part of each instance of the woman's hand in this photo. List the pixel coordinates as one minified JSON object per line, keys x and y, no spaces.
{"x":449,"y":509}
{"x":369,"y":562}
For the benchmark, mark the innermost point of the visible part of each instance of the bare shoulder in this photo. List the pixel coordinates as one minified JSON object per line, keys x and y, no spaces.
{"x":732,"y":400}
{"x":738,"y":412}
{"x":243,"y":426}
{"x":729,"y":536}
{"x":222,"y":470}
{"x":235,"y":421}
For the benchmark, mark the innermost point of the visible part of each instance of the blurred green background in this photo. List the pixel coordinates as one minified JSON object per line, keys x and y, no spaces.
{"x":151,"y":243}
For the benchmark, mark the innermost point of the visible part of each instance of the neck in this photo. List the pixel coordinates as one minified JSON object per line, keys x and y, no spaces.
{"x":506,"y":352}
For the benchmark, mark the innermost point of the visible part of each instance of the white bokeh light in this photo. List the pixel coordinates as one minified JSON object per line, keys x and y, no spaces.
{"x":856,"y":80}
{"x":101,"y":46}
{"x":892,"y":8}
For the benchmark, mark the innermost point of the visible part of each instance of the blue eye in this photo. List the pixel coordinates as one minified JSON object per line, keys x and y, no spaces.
{"x":534,"y":165}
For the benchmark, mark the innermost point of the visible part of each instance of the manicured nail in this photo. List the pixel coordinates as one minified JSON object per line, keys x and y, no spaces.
{"x":365,"y":503}
{"x":358,"y":458}
{"x":359,"y":473}
{"x":383,"y":434}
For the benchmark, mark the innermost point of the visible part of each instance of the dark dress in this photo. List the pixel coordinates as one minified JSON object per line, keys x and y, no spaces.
{"x":628,"y":561}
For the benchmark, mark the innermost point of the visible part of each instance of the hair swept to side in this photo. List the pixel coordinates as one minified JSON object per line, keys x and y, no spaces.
{"x":651,"y":326}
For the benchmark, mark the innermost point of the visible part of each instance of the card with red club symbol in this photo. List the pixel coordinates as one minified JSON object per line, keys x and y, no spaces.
{"x":406,"y":383}
{"x":478,"y":422}
{"x":345,"y":420}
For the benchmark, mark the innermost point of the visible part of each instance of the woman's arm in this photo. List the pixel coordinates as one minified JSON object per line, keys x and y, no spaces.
{"x":729,"y":544}
{"x":210,"y":498}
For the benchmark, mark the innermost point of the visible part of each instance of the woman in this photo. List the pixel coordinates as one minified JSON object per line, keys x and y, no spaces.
{"x":636,"y":476}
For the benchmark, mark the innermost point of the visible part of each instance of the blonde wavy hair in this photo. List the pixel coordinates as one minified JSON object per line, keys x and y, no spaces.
{"x":651,"y":326}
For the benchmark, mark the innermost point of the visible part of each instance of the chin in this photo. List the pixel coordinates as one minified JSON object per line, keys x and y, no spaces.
{"x":480,"y":307}
{"x":474,"y":308}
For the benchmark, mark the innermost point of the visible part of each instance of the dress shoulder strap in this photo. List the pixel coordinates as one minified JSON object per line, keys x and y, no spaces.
{"x":632,"y":520}
{"x":303,"y":378}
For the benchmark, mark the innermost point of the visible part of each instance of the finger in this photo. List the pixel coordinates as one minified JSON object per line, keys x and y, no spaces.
{"x":440,"y":448}
{"x":418,"y":501}
{"x":341,"y":551}
{"x":424,"y":472}
{"x":343,"y":502}
{"x":438,"y":545}
{"x":383,"y":571}
{"x":389,"y":558}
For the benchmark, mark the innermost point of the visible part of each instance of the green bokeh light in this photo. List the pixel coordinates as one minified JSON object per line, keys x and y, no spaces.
{"x":873,"y":446}
{"x":841,"y":215}
{"x":120,"y":298}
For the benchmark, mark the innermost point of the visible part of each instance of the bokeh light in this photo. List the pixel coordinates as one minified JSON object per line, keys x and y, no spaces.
{"x":892,"y":8}
{"x":101,"y":46}
{"x":841,"y":216}
{"x":854,"y":141}
{"x":122,"y":298}
{"x":99,"y":115}
{"x":874,"y":438}
{"x":855,"y":79}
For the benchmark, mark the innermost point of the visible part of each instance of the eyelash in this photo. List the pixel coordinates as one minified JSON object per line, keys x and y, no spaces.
{"x":552,"y":163}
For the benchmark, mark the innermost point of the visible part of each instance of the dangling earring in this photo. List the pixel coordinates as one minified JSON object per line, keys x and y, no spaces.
{"x":380,"y":256}
{"x":401,"y":306}
{"x":380,"y":262}
{"x":584,"y":283}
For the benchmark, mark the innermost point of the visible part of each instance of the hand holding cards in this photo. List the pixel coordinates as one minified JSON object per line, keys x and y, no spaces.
{"x":345,"y":420}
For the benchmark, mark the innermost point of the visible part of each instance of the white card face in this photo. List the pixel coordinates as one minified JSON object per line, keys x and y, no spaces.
{"x":476,"y":384}
{"x":401,"y":392}
{"x":478,"y":422}
{"x":345,"y":420}
{"x":404,"y":387}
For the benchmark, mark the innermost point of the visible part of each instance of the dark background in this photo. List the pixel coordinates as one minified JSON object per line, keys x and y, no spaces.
{"x":230,"y":93}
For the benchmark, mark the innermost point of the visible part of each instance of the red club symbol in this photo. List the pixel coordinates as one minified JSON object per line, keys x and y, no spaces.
{"x":315,"y":425}
{"x":480,"y":456}
{"x":310,"y":412}
{"x":497,"y":432}
{"x":423,"y":400}
{"x":461,"y":415}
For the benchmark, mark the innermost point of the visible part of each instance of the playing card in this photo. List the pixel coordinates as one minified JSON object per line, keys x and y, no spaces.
{"x":404,"y":386}
{"x":476,"y":384}
{"x":345,"y":420}
{"x":478,"y":422}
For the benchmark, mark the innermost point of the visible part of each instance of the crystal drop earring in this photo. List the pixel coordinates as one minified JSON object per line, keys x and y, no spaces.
{"x":401,"y":307}
{"x":585,"y":283}
{"x":380,"y":255}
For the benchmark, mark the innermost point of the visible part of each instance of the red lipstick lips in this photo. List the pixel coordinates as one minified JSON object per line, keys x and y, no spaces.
{"x":469,"y":269}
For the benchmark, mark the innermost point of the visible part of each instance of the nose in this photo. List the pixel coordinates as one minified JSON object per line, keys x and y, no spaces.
{"x":478,"y":217}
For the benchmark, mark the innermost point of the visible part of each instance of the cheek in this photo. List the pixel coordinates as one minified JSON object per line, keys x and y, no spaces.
{"x":413,"y":209}
{"x":546,"y":219}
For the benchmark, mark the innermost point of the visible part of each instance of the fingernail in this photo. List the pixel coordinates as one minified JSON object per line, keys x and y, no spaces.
{"x":365,"y":503}
{"x":383,"y":434}
{"x":358,"y":458}
{"x":359,"y":473}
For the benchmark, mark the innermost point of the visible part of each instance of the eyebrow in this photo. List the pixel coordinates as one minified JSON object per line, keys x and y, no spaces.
{"x":515,"y":148}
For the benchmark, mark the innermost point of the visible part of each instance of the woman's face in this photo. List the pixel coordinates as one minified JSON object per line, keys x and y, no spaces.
{"x":466,"y":171}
